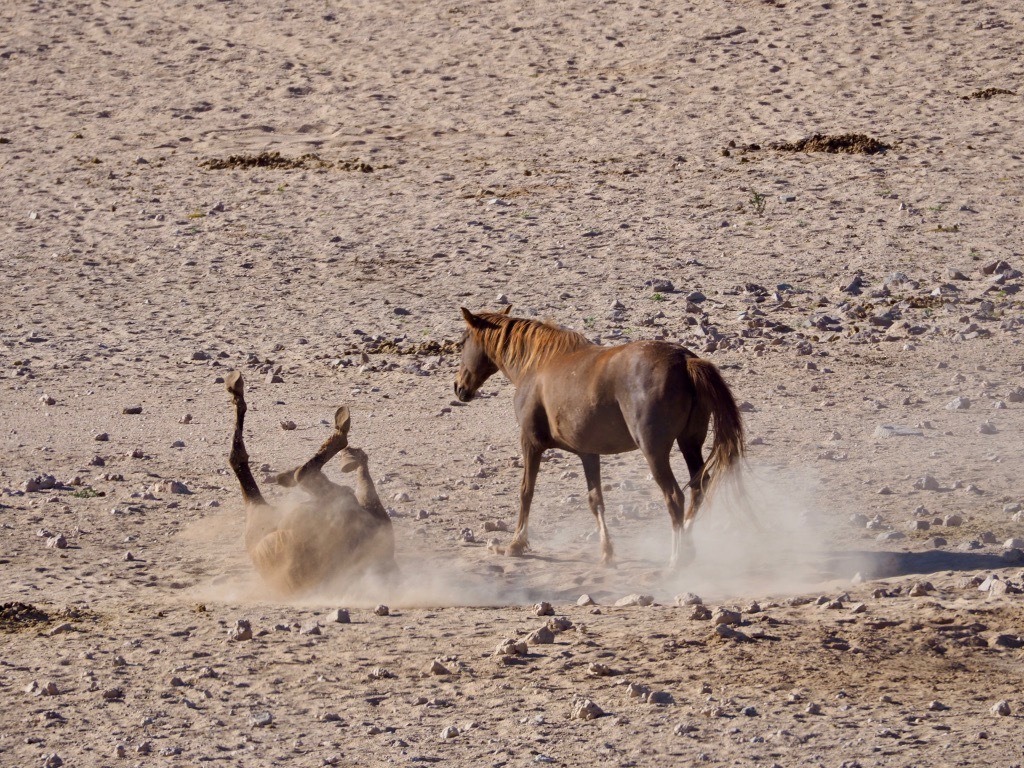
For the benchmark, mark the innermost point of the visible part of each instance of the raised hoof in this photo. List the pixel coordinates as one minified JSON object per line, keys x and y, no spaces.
{"x":287,"y":479}
{"x":342,"y":420}
{"x":609,"y":562}
{"x":351,"y":459}
{"x":233,"y":383}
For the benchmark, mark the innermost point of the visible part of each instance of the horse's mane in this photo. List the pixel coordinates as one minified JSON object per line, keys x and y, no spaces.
{"x":523,"y":345}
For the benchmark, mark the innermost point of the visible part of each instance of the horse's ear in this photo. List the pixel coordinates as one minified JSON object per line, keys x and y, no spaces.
{"x":507,"y":310}
{"x":472,"y":320}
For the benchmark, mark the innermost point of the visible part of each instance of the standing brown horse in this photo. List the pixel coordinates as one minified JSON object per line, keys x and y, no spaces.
{"x":592,"y":400}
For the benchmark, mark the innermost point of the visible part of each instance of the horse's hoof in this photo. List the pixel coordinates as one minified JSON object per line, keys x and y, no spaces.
{"x":286,"y":479}
{"x":233,"y":383}
{"x":342,"y":420}
{"x":609,"y":562}
{"x":516,"y":550}
{"x":352,"y":459}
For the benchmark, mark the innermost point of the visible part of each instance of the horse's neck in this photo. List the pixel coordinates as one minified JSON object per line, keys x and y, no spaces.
{"x":525,"y":363}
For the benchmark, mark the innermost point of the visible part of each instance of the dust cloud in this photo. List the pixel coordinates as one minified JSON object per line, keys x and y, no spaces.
{"x":762,"y":532}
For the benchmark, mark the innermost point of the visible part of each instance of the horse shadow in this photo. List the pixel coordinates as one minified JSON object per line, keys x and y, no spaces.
{"x":883,"y":565}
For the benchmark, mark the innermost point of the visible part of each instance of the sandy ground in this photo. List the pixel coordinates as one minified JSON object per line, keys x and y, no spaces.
{"x":614,"y":167}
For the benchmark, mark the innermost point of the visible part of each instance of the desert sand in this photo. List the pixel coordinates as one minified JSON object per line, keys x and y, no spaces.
{"x":308,"y":193}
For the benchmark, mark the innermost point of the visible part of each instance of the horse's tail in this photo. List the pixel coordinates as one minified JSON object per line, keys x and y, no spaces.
{"x":714,"y":395}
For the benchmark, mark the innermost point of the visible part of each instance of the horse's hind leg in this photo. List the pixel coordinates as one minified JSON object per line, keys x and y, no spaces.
{"x":355,"y":459}
{"x":260,"y":518}
{"x":239,"y":457}
{"x":691,"y":449}
{"x":592,"y":470}
{"x":381,"y":541}
{"x":309,"y":475}
{"x":661,"y":470}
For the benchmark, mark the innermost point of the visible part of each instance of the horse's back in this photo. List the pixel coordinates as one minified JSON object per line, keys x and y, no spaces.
{"x":602,"y":399}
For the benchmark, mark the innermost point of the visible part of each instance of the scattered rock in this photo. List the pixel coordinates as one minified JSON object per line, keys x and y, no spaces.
{"x":683,"y":729}
{"x":921,"y":589}
{"x":169,"y":486}
{"x":926,"y":483}
{"x":39,"y":483}
{"x":340,"y":616}
{"x":726,"y":632}
{"x":511,"y":647}
{"x":1001,"y":708}
{"x":541,"y":636}
{"x":958,"y":404}
{"x":261,"y":719}
{"x":687,"y":598}
{"x":543,"y":609}
{"x":241,"y":631}
{"x":725,"y":616}
{"x":585,"y":600}
{"x":382,"y":610}
{"x":634,"y":599}
{"x":437,"y":668}
{"x":700,"y":613}
{"x":585,"y":709}
{"x":560,"y":624}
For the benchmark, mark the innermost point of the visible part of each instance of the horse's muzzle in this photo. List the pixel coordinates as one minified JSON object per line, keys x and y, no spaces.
{"x":463,"y":394}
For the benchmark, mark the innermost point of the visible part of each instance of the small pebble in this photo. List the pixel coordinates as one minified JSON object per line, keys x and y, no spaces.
{"x":261,"y":719}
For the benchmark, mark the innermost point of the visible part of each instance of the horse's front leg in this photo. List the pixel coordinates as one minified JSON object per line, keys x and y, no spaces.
{"x":531,"y":464}
{"x":592,"y":471}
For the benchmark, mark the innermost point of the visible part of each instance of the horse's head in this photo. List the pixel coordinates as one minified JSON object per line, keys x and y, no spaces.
{"x":476,"y":366}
